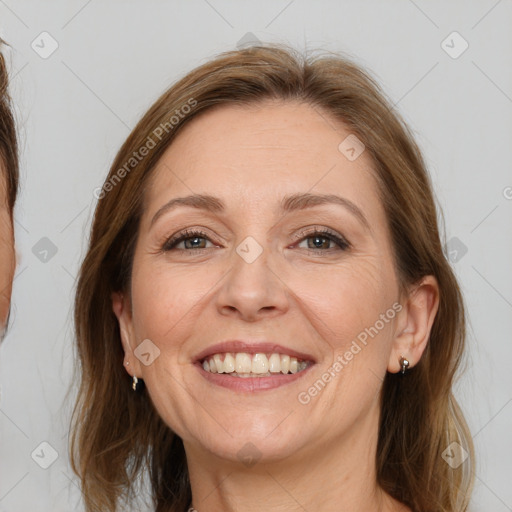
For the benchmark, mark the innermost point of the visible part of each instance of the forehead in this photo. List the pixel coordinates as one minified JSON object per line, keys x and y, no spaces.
{"x":255,"y":153}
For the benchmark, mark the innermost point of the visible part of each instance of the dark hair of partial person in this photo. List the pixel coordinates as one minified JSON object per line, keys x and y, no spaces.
{"x":8,"y":139}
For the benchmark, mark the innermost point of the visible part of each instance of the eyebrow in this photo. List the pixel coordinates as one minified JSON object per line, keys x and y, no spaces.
{"x":289,"y":203}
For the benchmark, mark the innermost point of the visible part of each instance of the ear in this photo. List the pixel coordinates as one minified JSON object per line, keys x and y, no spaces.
{"x":122,"y":309}
{"x":415,"y":321}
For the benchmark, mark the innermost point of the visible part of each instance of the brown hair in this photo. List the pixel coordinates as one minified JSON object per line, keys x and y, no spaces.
{"x":118,"y":433}
{"x":8,"y":140}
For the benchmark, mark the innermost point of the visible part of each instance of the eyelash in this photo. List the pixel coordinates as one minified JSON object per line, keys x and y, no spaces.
{"x":340,"y":241}
{"x":319,"y":232}
{"x":180,"y":237}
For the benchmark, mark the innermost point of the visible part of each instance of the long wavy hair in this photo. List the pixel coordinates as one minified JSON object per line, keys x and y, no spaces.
{"x":118,"y":434}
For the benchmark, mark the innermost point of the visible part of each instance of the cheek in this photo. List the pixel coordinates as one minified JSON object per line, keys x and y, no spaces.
{"x":166,"y":298}
{"x":7,"y":266}
{"x":351,"y":309}
{"x":345,"y":298}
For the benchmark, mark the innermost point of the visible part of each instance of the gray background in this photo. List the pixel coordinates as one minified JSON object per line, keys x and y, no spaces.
{"x":76,"y":106}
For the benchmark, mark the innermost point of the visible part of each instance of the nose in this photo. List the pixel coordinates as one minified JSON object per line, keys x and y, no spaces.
{"x":252,"y":290}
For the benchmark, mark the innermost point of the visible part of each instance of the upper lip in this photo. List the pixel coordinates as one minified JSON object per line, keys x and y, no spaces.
{"x":251,"y":347}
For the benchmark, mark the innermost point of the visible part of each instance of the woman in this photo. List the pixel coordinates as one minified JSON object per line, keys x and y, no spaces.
{"x":265,"y":259}
{"x":8,"y":192}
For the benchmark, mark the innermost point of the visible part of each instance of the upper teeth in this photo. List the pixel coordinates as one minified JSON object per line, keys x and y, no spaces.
{"x":258,"y":364}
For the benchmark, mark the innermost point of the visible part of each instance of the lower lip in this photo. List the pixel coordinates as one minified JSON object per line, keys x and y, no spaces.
{"x":251,"y":384}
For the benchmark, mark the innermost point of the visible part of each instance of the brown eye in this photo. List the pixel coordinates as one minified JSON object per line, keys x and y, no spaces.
{"x":196,"y":242}
{"x":319,"y":242}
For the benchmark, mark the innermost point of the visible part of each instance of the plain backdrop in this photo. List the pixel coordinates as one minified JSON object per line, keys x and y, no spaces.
{"x":83,"y":74}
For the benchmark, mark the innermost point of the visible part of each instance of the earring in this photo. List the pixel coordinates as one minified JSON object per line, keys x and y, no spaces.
{"x":404,"y":363}
{"x":135,"y":383}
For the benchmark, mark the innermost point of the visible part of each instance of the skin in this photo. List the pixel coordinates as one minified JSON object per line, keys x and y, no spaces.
{"x":318,"y":456}
{"x":7,"y":254}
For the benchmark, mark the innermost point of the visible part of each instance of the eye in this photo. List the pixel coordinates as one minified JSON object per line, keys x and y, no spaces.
{"x":318,"y":240}
{"x":191,"y":239}
{"x":322,"y":240}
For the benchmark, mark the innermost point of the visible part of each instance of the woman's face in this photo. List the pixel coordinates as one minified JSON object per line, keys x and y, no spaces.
{"x":7,"y":254}
{"x":288,"y":255}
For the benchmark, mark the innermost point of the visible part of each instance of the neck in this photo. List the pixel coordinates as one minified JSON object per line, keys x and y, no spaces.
{"x":337,"y":476}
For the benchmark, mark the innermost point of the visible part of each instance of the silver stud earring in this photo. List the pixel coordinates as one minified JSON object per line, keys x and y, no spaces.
{"x":404,"y":363}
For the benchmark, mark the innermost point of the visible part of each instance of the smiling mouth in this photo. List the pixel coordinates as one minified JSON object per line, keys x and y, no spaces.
{"x":245,"y":365}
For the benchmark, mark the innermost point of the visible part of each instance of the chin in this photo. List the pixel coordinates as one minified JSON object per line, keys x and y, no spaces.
{"x":265,"y":440}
